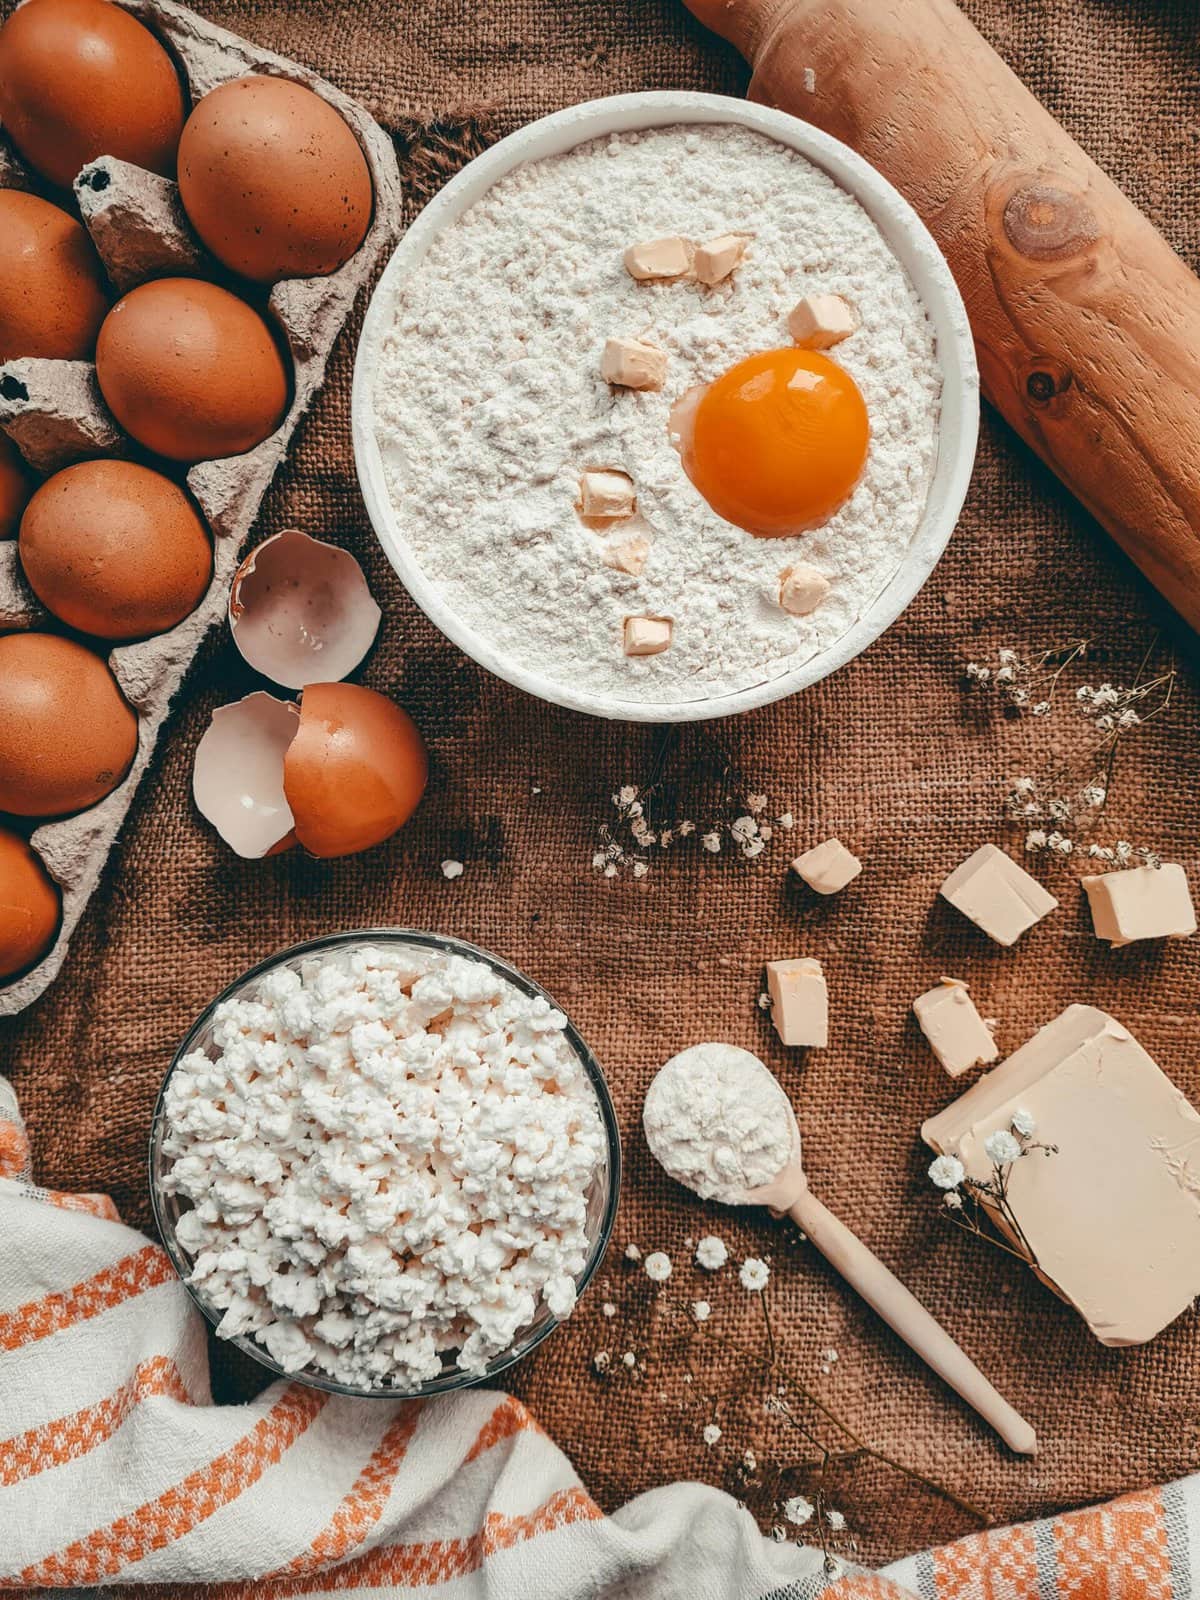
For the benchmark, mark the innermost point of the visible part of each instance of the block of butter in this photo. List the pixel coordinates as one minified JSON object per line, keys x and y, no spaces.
{"x":799,"y":1001}
{"x":998,"y":895}
{"x":957,"y":1034}
{"x":1113,"y":1219}
{"x":1141,"y":903}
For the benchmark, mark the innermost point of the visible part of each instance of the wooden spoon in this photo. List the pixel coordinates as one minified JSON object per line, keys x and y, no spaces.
{"x":788,"y":1192}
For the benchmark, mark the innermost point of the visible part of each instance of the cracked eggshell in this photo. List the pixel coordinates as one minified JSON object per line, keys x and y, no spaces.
{"x":356,"y":770}
{"x":237,"y":774}
{"x":300,"y":610}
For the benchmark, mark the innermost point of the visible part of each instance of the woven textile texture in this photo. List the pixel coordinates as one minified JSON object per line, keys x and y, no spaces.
{"x":889,"y":755}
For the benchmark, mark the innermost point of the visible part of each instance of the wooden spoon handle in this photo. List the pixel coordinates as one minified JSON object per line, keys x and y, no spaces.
{"x":904,"y":1313}
{"x":1086,"y":323}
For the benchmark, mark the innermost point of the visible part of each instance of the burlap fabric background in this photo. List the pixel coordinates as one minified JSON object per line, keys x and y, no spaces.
{"x":887,"y":754}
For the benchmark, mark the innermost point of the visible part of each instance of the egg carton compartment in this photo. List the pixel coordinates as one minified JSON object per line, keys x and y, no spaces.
{"x":54,"y":413}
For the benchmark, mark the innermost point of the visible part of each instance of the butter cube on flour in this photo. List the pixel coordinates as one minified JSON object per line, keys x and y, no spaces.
{"x":821,"y":321}
{"x":715,"y":260}
{"x":998,"y":895}
{"x":801,"y":589}
{"x":799,"y":1002}
{"x":606,"y":493}
{"x":633,"y":364}
{"x":647,"y":636}
{"x":956,"y":1032}
{"x":827,"y":867}
{"x":627,"y":554}
{"x":1141,"y":903}
{"x":659,"y":258}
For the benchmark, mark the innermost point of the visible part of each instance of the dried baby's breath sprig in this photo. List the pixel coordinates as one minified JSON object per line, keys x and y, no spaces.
{"x":640,"y":832}
{"x":1061,"y":807}
{"x":981,"y":1206}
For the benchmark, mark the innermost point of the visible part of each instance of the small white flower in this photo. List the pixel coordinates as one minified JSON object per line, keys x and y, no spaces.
{"x":1024,"y":786}
{"x":765,"y":832}
{"x":764,"y":1001}
{"x":1005,"y":674}
{"x":798,"y":1510}
{"x":1023,"y":1123}
{"x":686,"y":828}
{"x":640,"y":869}
{"x":750,"y":1461}
{"x":711,"y":842}
{"x":752,"y":848}
{"x":611,"y":870}
{"x":1092,"y":794}
{"x":787,"y":821}
{"x":1123,"y":850}
{"x":632,"y":1253}
{"x":1106,"y":695}
{"x":946,"y":1172}
{"x":756,"y":803}
{"x":1002,"y":1148}
{"x":1035,"y":840}
{"x":952,"y":1200}
{"x":1007,"y":657}
{"x":1042,"y":709}
{"x":1105,"y":724}
{"x":743,"y":828}
{"x":754,"y":1275}
{"x":711,"y":1253}
{"x":601,"y":1361}
{"x":629,"y":1360}
{"x":626,"y":796}
{"x":599,"y":859}
{"x":836,"y":1520}
{"x":711,"y":1434}
{"x":701,"y":1310}
{"x":609,"y":1309}
{"x":657,"y":1266}
{"x":452,"y":869}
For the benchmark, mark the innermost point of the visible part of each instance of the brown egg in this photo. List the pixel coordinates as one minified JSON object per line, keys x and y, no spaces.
{"x":273,"y":180}
{"x":67,"y":734}
{"x":83,"y":78}
{"x":355,"y":770}
{"x":16,"y":485}
{"x":190,"y":370}
{"x":52,"y":292}
{"x":115,"y":549}
{"x":30,"y":906}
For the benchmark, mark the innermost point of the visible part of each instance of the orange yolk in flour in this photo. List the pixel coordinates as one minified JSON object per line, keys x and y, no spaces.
{"x":777,"y":443}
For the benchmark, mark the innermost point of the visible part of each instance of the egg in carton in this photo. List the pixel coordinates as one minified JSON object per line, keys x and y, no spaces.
{"x":54,"y":412}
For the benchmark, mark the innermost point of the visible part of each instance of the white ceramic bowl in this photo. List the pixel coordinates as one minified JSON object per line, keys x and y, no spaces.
{"x":911,"y":243}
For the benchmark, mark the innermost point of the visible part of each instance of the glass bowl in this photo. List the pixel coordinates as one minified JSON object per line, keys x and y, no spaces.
{"x":602,"y":1198}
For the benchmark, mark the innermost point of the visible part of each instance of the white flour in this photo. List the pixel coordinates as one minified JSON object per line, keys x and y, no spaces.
{"x":490,"y":403}
{"x":717,"y":1120}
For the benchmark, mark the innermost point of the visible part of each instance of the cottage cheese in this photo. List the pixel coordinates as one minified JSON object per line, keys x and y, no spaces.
{"x":490,"y":403}
{"x":388,"y":1154}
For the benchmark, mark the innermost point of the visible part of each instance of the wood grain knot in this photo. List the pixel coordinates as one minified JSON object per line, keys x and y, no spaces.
{"x":1048,"y":224}
{"x":1046,"y":379}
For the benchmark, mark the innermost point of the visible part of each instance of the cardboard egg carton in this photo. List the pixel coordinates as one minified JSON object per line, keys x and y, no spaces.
{"x":54,"y":413}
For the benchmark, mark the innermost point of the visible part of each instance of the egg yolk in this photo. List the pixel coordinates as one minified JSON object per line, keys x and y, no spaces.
{"x":779,"y":441}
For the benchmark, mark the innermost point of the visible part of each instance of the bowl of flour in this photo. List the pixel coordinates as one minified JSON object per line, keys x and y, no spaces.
{"x":385,"y":1164}
{"x":478,"y":402}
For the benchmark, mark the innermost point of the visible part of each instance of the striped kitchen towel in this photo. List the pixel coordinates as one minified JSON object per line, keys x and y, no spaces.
{"x":116,"y":1469}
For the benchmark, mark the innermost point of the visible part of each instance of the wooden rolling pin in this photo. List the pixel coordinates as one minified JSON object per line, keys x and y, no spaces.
{"x":1086,"y":322}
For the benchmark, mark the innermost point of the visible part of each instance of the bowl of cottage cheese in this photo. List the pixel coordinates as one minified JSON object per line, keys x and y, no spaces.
{"x":385,"y":1164}
{"x":521,"y":405}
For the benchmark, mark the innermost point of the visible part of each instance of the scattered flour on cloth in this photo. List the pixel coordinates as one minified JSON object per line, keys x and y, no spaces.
{"x":489,"y":403}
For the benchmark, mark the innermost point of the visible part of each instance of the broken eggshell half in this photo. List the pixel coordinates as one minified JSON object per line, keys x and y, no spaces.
{"x":300,"y":610}
{"x":337,"y":773}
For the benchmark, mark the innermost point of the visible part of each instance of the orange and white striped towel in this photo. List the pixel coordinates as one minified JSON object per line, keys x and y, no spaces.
{"x":116,"y":1469}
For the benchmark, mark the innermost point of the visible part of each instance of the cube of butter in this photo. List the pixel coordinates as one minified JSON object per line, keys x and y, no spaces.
{"x":799,"y":1001}
{"x":633,"y":364}
{"x":821,"y":321}
{"x":1141,"y":903}
{"x":715,"y":260}
{"x":659,"y":258}
{"x":647,"y":636}
{"x":956,"y":1032}
{"x":998,"y":895}
{"x":627,"y":554}
{"x":801,"y":589}
{"x":827,"y":867}
{"x":605,"y":492}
